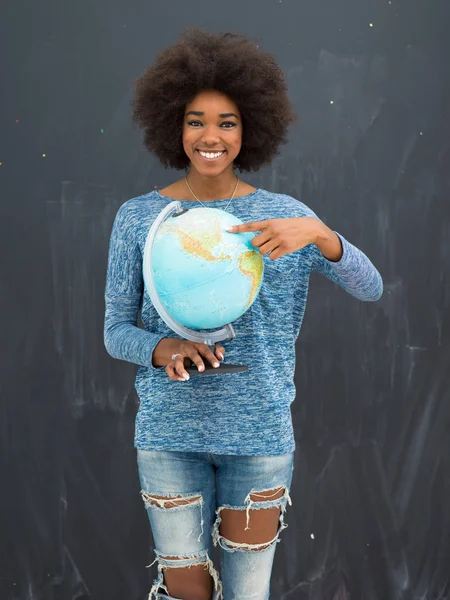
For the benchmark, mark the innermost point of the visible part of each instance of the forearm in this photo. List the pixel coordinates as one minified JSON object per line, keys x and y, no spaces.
{"x":128,"y":342}
{"x":347,"y":266}
{"x":122,"y":337}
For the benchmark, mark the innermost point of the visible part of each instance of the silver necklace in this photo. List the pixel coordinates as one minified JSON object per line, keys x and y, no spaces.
{"x":192,"y":192}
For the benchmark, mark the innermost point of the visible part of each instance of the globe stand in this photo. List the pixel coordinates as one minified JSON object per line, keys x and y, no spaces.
{"x":211,"y":338}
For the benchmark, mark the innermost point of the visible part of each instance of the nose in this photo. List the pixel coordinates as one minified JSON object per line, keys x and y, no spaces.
{"x":210,"y":135}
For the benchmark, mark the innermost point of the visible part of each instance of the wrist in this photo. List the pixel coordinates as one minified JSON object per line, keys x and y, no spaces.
{"x":162,"y":353}
{"x":329,"y":243}
{"x":321,"y":233}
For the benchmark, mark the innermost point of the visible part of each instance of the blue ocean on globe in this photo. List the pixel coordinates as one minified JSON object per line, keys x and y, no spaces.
{"x":205,"y":276}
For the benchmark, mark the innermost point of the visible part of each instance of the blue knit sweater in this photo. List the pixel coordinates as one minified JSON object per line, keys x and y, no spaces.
{"x":242,"y":413}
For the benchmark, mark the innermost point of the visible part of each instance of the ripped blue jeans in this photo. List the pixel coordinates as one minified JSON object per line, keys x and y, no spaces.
{"x":188,"y":531}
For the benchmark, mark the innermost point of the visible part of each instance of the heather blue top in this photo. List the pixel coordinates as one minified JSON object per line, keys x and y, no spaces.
{"x":242,"y":413}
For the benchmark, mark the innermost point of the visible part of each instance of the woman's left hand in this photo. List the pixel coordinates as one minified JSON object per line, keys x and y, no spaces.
{"x":282,"y":236}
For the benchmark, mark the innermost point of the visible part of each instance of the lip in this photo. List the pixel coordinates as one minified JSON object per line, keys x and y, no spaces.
{"x":211,"y":159}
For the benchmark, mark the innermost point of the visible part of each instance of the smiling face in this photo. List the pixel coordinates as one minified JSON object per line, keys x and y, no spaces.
{"x":212,"y":133}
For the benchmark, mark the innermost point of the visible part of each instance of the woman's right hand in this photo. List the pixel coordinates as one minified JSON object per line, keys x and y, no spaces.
{"x":172,"y":352}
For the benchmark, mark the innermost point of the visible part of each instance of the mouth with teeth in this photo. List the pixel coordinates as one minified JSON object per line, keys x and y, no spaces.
{"x":211,"y":156}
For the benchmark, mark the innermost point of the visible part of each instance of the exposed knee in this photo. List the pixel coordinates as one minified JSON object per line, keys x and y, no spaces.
{"x":265,"y":522}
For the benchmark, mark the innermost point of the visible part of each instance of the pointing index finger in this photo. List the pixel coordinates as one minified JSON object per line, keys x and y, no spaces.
{"x":254,"y":226}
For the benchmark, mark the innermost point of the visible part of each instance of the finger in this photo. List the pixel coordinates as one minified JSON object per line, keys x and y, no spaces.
{"x":195,"y":357}
{"x":260,"y":239}
{"x":208,"y":355}
{"x":219,"y":352}
{"x":254,"y":226}
{"x":179,"y":367}
{"x":276,"y":253}
{"x":268,"y":247}
{"x":170,"y":370}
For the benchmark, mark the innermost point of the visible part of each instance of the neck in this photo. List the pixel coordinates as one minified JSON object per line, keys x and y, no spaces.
{"x":212,"y":188}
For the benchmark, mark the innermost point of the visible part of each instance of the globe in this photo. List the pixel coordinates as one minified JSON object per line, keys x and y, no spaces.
{"x":205,"y":276}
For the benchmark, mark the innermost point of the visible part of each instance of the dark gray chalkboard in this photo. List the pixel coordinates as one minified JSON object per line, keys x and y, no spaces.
{"x":370,"y":154}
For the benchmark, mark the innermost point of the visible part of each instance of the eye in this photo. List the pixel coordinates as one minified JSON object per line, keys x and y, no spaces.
{"x":224,"y":125}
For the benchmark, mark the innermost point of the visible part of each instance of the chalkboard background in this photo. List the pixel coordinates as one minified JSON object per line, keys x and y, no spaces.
{"x":370,"y":154}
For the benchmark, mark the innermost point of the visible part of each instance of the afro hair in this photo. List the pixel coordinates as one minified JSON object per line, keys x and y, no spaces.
{"x":226,"y":62}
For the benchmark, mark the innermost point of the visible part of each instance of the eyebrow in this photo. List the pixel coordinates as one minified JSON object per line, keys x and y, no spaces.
{"x":199,"y":113}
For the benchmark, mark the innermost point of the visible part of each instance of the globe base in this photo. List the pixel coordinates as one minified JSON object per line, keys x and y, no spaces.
{"x":224,"y":369}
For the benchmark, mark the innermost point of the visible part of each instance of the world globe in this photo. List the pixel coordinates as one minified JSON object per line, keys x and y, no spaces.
{"x":205,"y":276}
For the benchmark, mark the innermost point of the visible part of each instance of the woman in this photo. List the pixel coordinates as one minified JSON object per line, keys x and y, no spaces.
{"x":216,"y":454}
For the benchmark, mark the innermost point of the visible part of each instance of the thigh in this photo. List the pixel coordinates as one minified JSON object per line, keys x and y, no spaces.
{"x":180,"y":528}
{"x":252,"y":493}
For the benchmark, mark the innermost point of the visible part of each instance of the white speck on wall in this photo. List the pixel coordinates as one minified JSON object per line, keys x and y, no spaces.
{"x":312,"y":536}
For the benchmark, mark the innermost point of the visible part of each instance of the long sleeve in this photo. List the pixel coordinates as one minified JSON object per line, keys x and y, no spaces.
{"x":354,"y":272}
{"x":124,"y":287}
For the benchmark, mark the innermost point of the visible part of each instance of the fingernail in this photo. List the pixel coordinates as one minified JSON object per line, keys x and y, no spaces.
{"x":186,"y":376}
{"x":230,"y":228}
{"x":201,"y":368}
{"x":220,"y":355}
{"x":216,"y":364}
